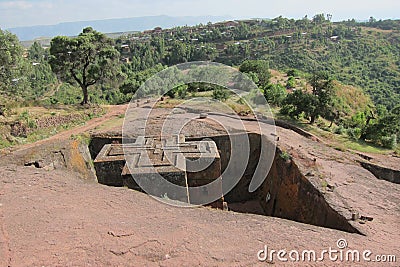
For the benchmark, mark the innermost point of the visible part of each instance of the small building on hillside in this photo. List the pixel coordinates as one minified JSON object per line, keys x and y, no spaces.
{"x":125,"y":48}
{"x":228,"y":24}
{"x":334,"y":38}
{"x":126,"y":60}
{"x":157,"y":30}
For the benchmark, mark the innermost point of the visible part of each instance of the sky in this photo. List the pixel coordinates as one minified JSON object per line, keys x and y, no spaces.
{"x":47,"y":12}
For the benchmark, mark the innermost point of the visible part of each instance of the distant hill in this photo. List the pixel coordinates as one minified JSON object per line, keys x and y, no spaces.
{"x":111,"y":25}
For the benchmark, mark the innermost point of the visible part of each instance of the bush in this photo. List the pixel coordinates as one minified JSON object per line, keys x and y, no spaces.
{"x":25,"y":118}
{"x":182,"y":91}
{"x":220,"y":94}
{"x":291,"y":83}
{"x":286,"y":156}
{"x":340,"y":130}
{"x":389,"y":141}
{"x":293,"y":72}
{"x":170,"y":93}
{"x":275,"y":94}
{"x":354,"y":133}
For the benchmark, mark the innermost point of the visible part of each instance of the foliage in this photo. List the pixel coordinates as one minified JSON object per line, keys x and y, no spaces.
{"x":220,"y":93}
{"x":25,"y":118}
{"x":258,"y":70}
{"x":298,"y":103}
{"x":182,"y":91}
{"x":293,"y":73}
{"x":275,"y":94}
{"x":84,"y":60}
{"x":12,"y":65}
{"x":285,"y":155}
{"x":291,"y":83}
{"x":354,"y":133}
{"x":386,"y":130}
{"x":311,"y":105}
{"x":363,"y":55}
{"x":340,"y":130}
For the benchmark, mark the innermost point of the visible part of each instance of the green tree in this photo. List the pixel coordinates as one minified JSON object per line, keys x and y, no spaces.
{"x":86,"y":59}
{"x":322,"y":90}
{"x":260,"y":68}
{"x":299,"y":103}
{"x":386,"y":130}
{"x":36,"y":52}
{"x":10,"y":60}
{"x":312,"y":105}
{"x":291,"y":83}
{"x":275,"y":94}
{"x":179,"y":53}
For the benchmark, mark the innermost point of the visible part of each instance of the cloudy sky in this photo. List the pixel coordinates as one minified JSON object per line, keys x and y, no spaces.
{"x":42,"y":12}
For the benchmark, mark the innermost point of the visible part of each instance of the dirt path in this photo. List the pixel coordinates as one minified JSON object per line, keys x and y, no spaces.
{"x":113,"y":111}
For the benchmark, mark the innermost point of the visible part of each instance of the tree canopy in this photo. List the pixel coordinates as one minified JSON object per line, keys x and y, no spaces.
{"x":312,"y":105}
{"x":86,"y":59}
{"x":10,"y":59}
{"x":258,"y":70}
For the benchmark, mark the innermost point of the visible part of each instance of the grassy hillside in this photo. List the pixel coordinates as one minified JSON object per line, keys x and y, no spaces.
{"x":366,"y":55}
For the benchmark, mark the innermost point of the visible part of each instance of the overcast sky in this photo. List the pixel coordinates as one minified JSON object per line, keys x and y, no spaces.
{"x":42,"y":12}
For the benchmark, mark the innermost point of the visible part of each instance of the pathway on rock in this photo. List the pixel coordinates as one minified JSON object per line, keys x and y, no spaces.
{"x":113,"y":111}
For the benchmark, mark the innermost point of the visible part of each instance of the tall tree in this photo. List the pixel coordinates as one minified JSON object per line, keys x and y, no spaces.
{"x":36,"y":52}
{"x":10,"y":59}
{"x":312,"y":105}
{"x":87,"y":59}
{"x":322,"y":90}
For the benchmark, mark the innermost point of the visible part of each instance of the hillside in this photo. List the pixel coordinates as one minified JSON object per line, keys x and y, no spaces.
{"x":361,"y":59}
{"x":366,"y":55}
{"x":349,"y":100}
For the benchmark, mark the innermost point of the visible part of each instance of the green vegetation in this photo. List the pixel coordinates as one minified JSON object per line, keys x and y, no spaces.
{"x":275,"y":94}
{"x":286,"y":156}
{"x":36,"y":123}
{"x":86,"y":60}
{"x":258,"y":70}
{"x":384,"y":131}
{"x":311,"y":105}
{"x":11,"y":62}
{"x":342,"y":77}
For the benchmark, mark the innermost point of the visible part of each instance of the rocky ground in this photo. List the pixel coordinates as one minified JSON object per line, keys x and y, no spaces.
{"x":53,"y":217}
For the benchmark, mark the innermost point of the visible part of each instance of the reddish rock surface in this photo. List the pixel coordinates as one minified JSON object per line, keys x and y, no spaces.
{"x":53,"y":217}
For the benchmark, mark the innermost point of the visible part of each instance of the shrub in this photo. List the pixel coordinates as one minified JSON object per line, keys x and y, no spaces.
{"x":170,"y":93}
{"x":220,"y":94}
{"x":291,"y":82}
{"x":275,"y":94}
{"x":389,"y":141}
{"x":25,"y":118}
{"x":293,"y":72}
{"x":354,"y":133}
{"x":182,"y":91}
{"x":286,"y":156}
{"x":340,"y":130}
